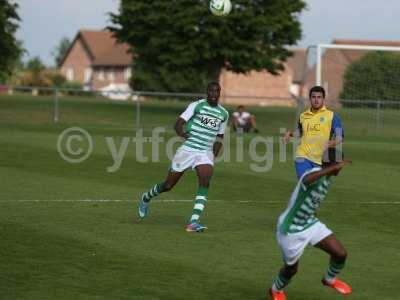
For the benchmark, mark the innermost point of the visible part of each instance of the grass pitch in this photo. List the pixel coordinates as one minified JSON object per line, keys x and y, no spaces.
{"x":70,"y":231}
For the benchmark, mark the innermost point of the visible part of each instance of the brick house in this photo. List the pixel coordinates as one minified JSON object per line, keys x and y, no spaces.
{"x":263,"y":88}
{"x":334,"y":64}
{"x":97,"y":61}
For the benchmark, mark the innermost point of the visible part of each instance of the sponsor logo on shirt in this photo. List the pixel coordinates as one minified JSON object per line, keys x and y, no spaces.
{"x":213,"y":123}
{"x":313,"y":127}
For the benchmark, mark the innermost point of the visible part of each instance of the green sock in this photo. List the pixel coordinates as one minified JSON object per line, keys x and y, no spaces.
{"x":199,"y":204}
{"x":333,"y":270}
{"x":154,"y":191}
{"x":279,"y":283}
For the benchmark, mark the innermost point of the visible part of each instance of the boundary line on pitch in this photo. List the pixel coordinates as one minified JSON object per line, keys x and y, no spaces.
{"x":190,"y":200}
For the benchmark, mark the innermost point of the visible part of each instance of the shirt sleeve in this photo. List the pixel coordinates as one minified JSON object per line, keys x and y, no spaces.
{"x":189,"y":112}
{"x":299,"y":128}
{"x":337,"y":128}
{"x":223,"y":126}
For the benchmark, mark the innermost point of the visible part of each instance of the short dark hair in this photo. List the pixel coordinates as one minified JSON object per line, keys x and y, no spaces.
{"x":213,"y":83}
{"x":240,"y":106}
{"x":317,"y":89}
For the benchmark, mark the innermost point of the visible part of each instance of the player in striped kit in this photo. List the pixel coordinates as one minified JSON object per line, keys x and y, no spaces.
{"x":202,"y":125}
{"x":298,"y":227}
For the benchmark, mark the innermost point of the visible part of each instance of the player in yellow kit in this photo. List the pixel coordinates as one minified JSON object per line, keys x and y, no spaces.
{"x":319,"y":129}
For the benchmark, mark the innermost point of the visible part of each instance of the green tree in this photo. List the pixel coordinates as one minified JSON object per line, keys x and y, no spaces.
{"x":376,"y":76}
{"x":17,"y":66}
{"x":60,"y":50}
{"x":179,"y":45}
{"x":35,"y":73}
{"x":35,"y":65}
{"x":10,"y":50}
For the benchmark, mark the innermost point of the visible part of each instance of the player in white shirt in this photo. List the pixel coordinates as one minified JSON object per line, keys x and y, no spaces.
{"x":299,"y":227}
{"x":243,"y":120}
{"x":202,"y":125}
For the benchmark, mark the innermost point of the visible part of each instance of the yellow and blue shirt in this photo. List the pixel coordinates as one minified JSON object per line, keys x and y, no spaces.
{"x":316,"y":129}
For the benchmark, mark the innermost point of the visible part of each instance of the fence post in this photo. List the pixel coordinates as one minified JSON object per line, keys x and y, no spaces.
{"x":56,"y":111}
{"x":137,"y":96}
{"x":300,"y":108}
{"x":378,"y":115}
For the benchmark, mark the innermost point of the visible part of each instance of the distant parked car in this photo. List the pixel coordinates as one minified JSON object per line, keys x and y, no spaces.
{"x":116,"y":91}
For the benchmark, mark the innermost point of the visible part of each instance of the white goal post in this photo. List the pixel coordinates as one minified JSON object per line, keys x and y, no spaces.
{"x":359,"y":76}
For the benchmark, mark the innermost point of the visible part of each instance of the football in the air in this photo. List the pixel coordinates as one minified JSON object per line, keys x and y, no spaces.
{"x":220,"y":7}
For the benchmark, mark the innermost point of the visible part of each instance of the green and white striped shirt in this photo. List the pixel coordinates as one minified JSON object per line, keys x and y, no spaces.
{"x":204,"y":123}
{"x":305,"y":200}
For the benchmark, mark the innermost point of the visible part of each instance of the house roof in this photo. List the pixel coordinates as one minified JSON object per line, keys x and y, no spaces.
{"x":103,"y":48}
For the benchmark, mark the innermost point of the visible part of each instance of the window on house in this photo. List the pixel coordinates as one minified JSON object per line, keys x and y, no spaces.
{"x":128,"y":73}
{"x":88,"y":75}
{"x":111,"y":75}
{"x":100,"y":76}
{"x":70,"y":74}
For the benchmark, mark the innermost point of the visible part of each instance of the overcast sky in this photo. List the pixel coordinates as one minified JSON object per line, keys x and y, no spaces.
{"x":45,"y":22}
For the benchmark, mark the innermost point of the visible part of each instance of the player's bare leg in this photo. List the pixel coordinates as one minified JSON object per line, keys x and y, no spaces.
{"x":338,"y":256}
{"x":170,"y":181}
{"x":204,"y":174}
{"x":282,"y":280}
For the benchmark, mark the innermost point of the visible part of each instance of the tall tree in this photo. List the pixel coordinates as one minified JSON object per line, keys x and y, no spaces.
{"x":10,"y":49}
{"x":60,"y":50}
{"x":376,"y":76}
{"x":179,"y":45}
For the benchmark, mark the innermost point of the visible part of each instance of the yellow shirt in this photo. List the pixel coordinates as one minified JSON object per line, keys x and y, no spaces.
{"x":315,"y":130}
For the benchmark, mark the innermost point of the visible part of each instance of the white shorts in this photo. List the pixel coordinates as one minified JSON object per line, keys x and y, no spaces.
{"x":293,"y":244}
{"x":185,"y":159}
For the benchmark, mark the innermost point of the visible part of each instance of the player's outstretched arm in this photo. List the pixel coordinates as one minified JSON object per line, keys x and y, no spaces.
{"x":334,"y":142}
{"x":289,"y":134}
{"x":286,"y":136}
{"x":179,"y":128}
{"x":331,"y":170}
